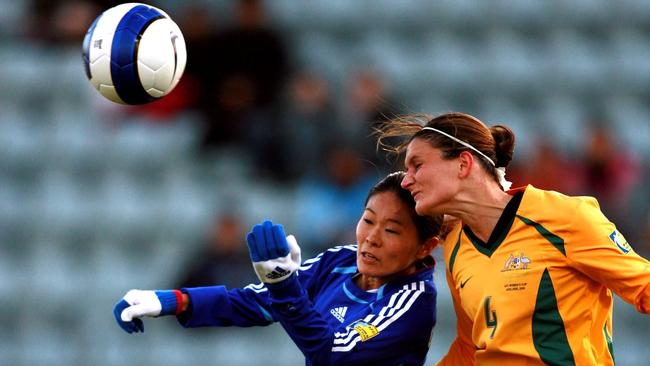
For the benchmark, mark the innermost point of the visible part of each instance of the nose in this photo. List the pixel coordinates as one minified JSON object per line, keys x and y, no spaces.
{"x":407,"y":181}
{"x":373,"y":237}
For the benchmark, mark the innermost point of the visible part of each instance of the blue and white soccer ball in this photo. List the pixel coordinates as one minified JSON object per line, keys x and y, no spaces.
{"x":134,"y":53}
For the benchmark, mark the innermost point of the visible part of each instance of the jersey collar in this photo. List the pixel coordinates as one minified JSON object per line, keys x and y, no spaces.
{"x":502,"y":227}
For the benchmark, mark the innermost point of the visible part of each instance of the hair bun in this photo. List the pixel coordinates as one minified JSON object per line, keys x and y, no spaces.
{"x":504,"y":141}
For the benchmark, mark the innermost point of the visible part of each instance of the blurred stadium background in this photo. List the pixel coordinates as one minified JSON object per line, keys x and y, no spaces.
{"x":96,"y":198}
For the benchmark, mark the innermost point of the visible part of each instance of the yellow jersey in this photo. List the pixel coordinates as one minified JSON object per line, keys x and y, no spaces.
{"x":540,"y":291}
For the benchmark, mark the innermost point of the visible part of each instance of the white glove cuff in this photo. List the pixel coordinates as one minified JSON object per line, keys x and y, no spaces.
{"x":278,"y":269}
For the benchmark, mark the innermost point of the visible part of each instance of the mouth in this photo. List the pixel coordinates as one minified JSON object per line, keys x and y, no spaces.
{"x":368,"y":257}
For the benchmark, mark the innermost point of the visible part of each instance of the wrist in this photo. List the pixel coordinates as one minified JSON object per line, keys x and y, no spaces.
{"x":171,"y":302}
{"x":287,"y":288}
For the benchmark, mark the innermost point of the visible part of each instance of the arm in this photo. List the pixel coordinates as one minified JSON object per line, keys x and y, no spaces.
{"x":602,"y":253}
{"x":461,"y":351}
{"x":195,"y":307}
{"x":217,"y":306}
{"x":207,"y":306}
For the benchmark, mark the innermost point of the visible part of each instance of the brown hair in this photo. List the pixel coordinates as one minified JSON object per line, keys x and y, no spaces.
{"x":496,"y":142}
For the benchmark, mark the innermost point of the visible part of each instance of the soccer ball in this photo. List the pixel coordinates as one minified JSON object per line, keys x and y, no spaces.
{"x":134,"y":53}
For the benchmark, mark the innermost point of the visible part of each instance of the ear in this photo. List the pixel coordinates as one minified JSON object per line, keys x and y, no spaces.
{"x":427,"y":247}
{"x":466,"y":162}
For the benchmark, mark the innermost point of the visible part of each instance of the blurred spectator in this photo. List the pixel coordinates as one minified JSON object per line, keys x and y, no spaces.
{"x":327,"y":204}
{"x":548,"y":169}
{"x":223,"y":259}
{"x":63,"y":22}
{"x":367,"y":104}
{"x":310,"y":123}
{"x":243,"y":72}
{"x":644,"y":245}
{"x":611,"y":173}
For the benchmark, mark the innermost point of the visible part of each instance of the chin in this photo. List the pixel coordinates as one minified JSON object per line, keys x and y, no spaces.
{"x":427,"y":209}
{"x":364,"y":270}
{"x":421,"y":208}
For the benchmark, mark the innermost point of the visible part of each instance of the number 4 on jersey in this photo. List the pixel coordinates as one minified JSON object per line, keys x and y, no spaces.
{"x":490,"y":317}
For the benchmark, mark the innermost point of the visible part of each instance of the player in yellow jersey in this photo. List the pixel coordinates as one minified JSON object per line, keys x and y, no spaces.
{"x":531,"y":272}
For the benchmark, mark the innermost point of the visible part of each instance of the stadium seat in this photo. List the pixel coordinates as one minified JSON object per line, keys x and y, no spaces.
{"x":23,"y":144}
{"x":451,"y":63}
{"x":581,"y":12}
{"x":518,"y":14}
{"x":502,"y":110}
{"x":629,"y":52}
{"x":577,"y":62}
{"x":11,"y":15}
{"x":630,"y":118}
{"x":562,"y":119}
{"x":513,"y":63}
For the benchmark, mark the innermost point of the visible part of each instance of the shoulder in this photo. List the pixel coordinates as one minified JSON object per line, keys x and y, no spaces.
{"x":342,"y":255}
{"x":419,"y":284}
{"x":452,"y":238}
{"x":574,"y":219}
{"x":414,"y":302}
{"x":555,"y":210}
{"x":539,"y":202}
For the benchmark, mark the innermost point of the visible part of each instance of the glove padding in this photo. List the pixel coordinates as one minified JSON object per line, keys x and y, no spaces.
{"x":138,"y":303}
{"x":275,"y":256}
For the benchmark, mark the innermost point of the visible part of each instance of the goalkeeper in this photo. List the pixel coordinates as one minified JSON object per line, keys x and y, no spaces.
{"x":373,"y":302}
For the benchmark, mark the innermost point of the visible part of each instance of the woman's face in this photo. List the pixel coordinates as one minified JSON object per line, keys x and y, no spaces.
{"x":387,"y":238}
{"x":431,"y":179}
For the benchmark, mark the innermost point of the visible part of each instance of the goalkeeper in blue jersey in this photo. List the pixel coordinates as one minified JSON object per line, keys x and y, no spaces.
{"x":369,"y":303}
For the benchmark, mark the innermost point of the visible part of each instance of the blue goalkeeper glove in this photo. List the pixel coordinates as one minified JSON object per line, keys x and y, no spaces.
{"x":275,"y":256}
{"x":137,"y":303}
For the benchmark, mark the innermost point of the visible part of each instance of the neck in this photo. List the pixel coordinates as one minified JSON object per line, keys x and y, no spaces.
{"x":480,"y":210}
{"x":367,"y":282}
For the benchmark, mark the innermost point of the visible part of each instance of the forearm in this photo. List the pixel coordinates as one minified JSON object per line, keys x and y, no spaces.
{"x":217,"y":306}
{"x":306,"y":327}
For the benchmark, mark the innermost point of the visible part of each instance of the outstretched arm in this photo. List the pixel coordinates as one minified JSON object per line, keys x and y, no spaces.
{"x":196,"y":307}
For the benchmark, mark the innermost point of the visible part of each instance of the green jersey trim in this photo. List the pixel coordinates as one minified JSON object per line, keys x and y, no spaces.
{"x":454,"y":252}
{"x":552,"y":238}
{"x":610,"y":343}
{"x":549,"y":335}
{"x":488,"y":251}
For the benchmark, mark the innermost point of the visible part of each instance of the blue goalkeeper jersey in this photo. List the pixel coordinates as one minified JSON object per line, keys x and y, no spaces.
{"x":330,"y":319}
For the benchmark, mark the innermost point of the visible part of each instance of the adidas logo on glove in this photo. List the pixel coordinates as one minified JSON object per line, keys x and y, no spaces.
{"x":275,"y":256}
{"x":277,"y":272}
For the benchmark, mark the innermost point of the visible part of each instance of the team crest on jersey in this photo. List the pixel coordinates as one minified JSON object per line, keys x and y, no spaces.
{"x":517,"y":261}
{"x":618,"y":239}
{"x":365,"y":330}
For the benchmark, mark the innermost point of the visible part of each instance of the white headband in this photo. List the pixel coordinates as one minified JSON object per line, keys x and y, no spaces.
{"x":501,"y":171}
